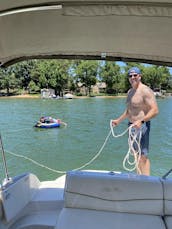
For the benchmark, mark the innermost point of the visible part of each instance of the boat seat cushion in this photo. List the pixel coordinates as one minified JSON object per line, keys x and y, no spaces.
{"x":167,"y":183}
{"x":115,"y":192}
{"x":91,"y":219}
{"x":168,"y":222}
{"x":37,"y":220}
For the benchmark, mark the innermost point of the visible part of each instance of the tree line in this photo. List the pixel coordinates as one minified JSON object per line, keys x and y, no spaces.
{"x":60,"y":75}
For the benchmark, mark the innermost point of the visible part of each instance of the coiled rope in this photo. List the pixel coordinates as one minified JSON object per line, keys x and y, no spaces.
{"x":134,"y":143}
{"x":131,"y":159}
{"x":132,"y":139}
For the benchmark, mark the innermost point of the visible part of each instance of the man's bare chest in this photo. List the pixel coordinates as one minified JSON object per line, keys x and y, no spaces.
{"x":135,"y":100}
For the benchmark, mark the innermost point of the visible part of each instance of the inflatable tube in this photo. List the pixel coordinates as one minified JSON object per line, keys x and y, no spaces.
{"x":48,"y":122}
{"x":47,"y":125}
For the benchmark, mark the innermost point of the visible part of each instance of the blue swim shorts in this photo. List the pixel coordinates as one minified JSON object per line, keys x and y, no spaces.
{"x":144,"y":143}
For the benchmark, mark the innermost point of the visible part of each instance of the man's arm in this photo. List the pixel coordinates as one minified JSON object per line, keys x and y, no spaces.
{"x":115,"y":122}
{"x":150,"y":101}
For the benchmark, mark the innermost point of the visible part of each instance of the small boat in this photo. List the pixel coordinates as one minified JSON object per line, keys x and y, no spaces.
{"x":68,"y":96}
{"x":48,"y":122}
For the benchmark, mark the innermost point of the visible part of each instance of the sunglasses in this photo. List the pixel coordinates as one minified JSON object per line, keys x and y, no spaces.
{"x":135,"y":75}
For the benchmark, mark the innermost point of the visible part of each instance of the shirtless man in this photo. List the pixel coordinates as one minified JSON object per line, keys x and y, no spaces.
{"x":141,"y":107}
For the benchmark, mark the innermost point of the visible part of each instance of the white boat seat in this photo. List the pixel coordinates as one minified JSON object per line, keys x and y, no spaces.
{"x":43,"y":210}
{"x":167,"y":183}
{"x":41,"y":220}
{"x":114,"y":192}
{"x":74,"y":218}
{"x":168,"y":222}
{"x":113,"y":201}
{"x":31,"y":204}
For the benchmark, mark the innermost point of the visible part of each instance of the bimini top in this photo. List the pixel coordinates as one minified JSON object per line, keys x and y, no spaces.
{"x":132,"y":30}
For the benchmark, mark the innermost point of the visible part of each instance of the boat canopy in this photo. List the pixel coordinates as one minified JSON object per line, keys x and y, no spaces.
{"x":132,"y":30}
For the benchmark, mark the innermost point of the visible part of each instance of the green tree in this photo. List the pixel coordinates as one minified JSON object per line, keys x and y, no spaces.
{"x":33,"y":88}
{"x":8,"y":80}
{"x":51,"y":74}
{"x":65,"y":74}
{"x":86,"y":73}
{"x":156,"y":76}
{"x":111,"y":75}
{"x":22,"y":72}
{"x":60,"y":79}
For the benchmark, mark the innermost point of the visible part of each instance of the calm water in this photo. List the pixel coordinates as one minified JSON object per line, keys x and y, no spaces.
{"x":71,"y":147}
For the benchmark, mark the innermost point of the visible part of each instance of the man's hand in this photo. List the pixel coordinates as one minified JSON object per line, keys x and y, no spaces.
{"x":115,"y":122}
{"x":137,"y":124}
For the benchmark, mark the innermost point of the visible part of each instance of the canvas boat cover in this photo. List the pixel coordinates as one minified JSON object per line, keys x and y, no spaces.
{"x":132,"y":30}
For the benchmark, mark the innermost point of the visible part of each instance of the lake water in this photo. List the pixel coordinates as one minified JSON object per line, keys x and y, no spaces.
{"x":73,"y":146}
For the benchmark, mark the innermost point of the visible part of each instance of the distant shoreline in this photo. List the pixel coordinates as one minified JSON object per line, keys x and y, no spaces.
{"x":27,"y":96}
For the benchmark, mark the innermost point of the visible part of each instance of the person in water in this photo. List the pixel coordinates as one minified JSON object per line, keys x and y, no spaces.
{"x":42,"y":120}
{"x":49,"y":119}
{"x":141,"y":107}
{"x":46,"y":119}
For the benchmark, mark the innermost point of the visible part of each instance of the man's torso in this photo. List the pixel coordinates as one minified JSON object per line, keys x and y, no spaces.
{"x":136,"y":104}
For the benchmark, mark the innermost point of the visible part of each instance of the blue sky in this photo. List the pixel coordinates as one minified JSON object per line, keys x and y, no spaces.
{"x":121,"y":64}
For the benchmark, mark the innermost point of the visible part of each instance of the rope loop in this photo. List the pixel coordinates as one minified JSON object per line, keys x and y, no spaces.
{"x":132,"y":158}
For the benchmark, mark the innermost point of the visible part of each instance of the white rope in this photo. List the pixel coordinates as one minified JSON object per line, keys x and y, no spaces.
{"x":35,"y":162}
{"x":131,"y":159}
{"x":63,"y":123}
{"x":134,"y":138}
{"x":131,"y":152}
{"x":119,"y":135}
{"x":96,"y":156}
{"x":60,"y":171}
